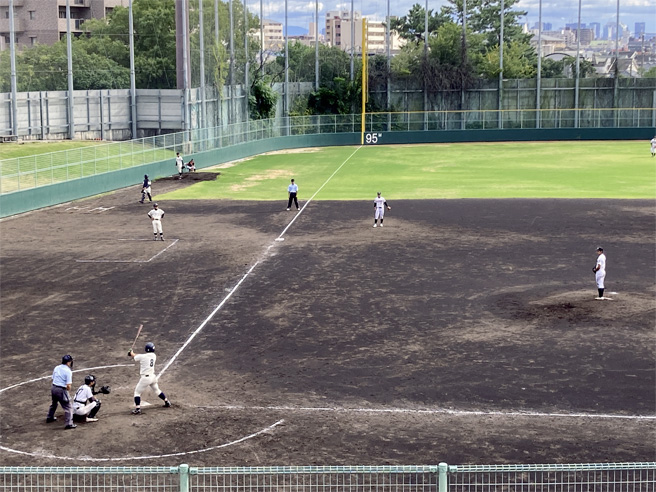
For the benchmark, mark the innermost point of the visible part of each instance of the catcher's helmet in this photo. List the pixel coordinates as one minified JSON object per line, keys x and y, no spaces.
{"x":67,"y":358}
{"x":89,"y":379}
{"x":150,"y":347}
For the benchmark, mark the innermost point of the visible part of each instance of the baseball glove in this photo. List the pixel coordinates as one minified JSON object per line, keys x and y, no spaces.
{"x":105,"y":390}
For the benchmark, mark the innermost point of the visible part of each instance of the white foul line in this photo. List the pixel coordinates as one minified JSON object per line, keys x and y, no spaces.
{"x":131,"y":458}
{"x":316,"y":192}
{"x":130,"y":261}
{"x":250,"y":270}
{"x":442,"y":411}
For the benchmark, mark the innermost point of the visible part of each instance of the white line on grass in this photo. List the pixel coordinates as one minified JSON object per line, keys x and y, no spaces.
{"x":250,"y":270}
{"x":434,"y":411}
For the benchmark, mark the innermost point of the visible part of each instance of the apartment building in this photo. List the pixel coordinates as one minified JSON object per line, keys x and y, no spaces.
{"x":338,"y":33}
{"x":44,"y":21}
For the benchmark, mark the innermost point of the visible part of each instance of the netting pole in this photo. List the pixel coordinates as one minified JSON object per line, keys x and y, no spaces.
{"x":183,"y":472}
{"x":443,"y":484}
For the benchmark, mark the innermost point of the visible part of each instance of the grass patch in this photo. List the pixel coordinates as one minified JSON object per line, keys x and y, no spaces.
{"x":600,"y":169}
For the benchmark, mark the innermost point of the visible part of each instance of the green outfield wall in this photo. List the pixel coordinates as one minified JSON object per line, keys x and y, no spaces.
{"x":63,"y":192}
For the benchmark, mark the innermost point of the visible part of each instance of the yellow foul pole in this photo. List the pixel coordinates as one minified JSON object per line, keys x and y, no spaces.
{"x":365,"y":78}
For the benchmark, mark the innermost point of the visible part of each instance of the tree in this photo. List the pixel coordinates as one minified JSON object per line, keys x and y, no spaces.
{"x":412,"y":27}
{"x":519,"y":62}
{"x":339,"y":100}
{"x":45,"y":68}
{"x":650,"y":74}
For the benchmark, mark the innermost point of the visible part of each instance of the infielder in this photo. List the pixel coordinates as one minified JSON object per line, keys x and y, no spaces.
{"x":292,"y":191}
{"x":85,"y":403}
{"x":379,"y":206}
{"x":62,"y":379}
{"x":148,"y":379}
{"x":156,"y":215}
{"x":653,"y":146}
{"x":145,"y":189}
{"x":179,"y":162}
{"x":600,"y":272}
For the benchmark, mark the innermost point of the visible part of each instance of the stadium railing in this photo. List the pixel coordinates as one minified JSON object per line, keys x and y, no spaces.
{"x":587,"y":477}
{"x":33,"y":171}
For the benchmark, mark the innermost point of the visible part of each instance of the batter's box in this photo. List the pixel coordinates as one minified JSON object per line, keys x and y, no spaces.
{"x":125,"y":250}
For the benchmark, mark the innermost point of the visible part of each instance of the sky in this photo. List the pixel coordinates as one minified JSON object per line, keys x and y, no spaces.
{"x":556,"y":12}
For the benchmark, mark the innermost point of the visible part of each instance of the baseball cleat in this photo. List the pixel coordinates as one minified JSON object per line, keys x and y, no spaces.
{"x":91,"y":419}
{"x":70,"y":426}
{"x":289,"y":209}
{"x":49,"y":420}
{"x":136,"y":411}
{"x":381,"y":225}
{"x":375,"y":225}
{"x":154,"y":239}
{"x":167,"y":404}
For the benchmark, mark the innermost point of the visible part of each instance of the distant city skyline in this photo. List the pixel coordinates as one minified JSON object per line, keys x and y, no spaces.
{"x":556,"y":12}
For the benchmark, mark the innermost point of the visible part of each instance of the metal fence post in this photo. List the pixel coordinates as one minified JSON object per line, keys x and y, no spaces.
{"x":443,"y":478}
{"x":183,"y":471}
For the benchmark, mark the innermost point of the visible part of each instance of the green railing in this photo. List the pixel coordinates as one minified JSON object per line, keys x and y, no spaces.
{"x":23,"y":173}
{"x":588,"y":477}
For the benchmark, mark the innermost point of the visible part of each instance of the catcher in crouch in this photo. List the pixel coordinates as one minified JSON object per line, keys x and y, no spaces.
{"x":85,"y":403}
{"x":148,"y":378}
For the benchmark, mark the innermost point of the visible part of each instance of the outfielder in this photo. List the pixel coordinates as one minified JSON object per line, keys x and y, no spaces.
{"x":85,"y":403}
{"x":600,"y":272}
{"x":653,"y":146}
{"x":148,"y":379}
{"x":156,"y":215}
{"x":379,"y":206}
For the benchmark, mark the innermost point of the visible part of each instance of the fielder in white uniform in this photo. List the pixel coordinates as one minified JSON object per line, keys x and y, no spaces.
{"x":179,"y":162}
{"x":85,"y":403}
{"x":148,"y":379}
{"x":653,"y":146}
{"x":600,"y":272}
{"x":379,"y":205}
{"x":156,"y":215}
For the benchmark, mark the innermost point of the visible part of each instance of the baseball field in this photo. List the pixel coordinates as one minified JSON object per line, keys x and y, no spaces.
{"x":466,"y":330}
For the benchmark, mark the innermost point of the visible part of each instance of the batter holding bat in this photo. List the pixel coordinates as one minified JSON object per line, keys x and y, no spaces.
{"x":379,"y":206}
{"x":148,"y":379}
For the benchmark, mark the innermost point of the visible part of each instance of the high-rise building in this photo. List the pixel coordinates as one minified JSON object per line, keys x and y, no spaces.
{"x":639,"y":29}
{"x":595,"y":26}
{"x":338,"y":29}
{"x":39,"y":21}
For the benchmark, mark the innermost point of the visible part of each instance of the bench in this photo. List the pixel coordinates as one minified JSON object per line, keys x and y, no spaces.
{"x":8,"y":138}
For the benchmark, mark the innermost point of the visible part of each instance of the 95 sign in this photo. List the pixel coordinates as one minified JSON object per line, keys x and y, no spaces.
{"x":372,"y":138}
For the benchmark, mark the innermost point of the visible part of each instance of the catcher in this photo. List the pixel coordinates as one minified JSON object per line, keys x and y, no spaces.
{"x":85,"y":403}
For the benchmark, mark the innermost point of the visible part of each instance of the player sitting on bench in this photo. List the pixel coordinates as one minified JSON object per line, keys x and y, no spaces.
{"x":191,"y":166}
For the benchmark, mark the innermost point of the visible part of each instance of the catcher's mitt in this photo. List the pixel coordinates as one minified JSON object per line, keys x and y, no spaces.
{"x":105,"y":390}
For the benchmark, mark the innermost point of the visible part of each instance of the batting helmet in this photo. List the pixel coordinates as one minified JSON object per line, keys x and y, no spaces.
{"x":89,"y":379}
{"x":150,"y":347}
{"x":155,"y":205}
{"x":67,"y":358}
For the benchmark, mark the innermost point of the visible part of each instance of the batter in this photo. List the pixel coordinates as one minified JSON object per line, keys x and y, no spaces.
{"x":148,"y":379}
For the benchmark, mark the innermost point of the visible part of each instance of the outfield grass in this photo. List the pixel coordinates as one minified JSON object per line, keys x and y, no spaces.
{"x":25,"y":166}
{"x":623,"y":169}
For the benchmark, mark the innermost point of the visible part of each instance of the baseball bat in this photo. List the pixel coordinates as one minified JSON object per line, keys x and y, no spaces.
{"x":135,"y":338}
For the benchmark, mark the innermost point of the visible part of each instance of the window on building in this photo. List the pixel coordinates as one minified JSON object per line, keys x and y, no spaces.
{"x":7,"y":40}
{"x":7,"y":14}
{"x":32,"y":40}
{"x":32,"y":14}
{"x":62,"y":12}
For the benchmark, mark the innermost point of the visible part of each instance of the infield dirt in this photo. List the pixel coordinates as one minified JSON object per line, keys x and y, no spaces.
{"x":464,"y":331}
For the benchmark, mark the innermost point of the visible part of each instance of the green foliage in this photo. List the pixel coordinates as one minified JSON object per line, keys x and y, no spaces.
{"x":519,"y":62}
{"x":45,"y":68}
{"x":334,"y":63}
{"x":567,"y":68}
{"x":341,"y":99}
{"x":262,"y":101}
{"x":412,"y":27}
{"x":650,"y":74}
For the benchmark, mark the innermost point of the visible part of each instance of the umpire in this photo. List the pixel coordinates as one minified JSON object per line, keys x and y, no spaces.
{"x":62,"y":379}
{"x":292,"y":191}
